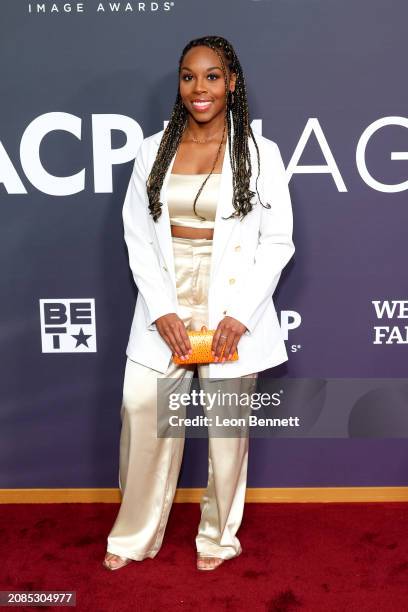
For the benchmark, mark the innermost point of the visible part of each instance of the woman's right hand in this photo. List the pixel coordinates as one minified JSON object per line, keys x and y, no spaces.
{"x":173,"y":331}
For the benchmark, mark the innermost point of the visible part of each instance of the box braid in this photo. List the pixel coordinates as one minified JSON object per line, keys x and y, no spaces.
{"x":239,"y":154}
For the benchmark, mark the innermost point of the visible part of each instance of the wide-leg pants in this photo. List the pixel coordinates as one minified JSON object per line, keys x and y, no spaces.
{"x":149,"y":466}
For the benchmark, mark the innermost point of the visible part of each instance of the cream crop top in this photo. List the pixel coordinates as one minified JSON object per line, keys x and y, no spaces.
{"x":181,"y":191}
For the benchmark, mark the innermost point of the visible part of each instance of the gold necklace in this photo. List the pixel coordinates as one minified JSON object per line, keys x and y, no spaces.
{"x":201,"y":141}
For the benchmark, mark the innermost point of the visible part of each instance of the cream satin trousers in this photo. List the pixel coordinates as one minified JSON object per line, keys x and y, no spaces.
{"x":149,"y":466}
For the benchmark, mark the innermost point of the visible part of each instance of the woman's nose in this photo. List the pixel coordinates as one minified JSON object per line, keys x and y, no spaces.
{"x":200,"y":86}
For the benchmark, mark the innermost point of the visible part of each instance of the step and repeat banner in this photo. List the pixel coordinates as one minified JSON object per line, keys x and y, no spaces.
{"x":82,"y":84}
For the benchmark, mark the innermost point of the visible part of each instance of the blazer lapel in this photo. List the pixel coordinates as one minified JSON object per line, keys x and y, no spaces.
{"x":222,"y":227}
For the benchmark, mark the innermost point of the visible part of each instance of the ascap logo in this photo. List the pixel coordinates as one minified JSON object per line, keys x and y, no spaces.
{"x":104,"y":157}
{"x":290,"y":320}
{"x":43,"y":8}
{"x":388,"y":310}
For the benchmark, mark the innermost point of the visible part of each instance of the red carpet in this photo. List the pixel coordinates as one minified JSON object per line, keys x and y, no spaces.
{"x":308,"y":557}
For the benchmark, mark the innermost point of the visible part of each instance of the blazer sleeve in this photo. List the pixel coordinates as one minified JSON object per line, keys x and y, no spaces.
{"x":143,"y":260}
{"x":275,"y":246}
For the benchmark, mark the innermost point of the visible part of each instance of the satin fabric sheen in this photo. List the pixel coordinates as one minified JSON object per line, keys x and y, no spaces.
{"x":181,"y":192}
{"x":149,"y":466}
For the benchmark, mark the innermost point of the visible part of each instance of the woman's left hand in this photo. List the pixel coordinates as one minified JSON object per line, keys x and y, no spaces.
{"x":228,"y":333}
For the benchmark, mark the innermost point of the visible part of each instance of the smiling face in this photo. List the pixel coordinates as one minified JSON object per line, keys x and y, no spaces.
{"x":202,"y":85}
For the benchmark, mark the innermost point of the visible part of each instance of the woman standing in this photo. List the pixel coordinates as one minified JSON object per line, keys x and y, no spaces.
{"x":202,"y":252}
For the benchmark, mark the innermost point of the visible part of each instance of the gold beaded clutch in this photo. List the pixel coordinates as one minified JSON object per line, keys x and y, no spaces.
{"x":201,"y":342}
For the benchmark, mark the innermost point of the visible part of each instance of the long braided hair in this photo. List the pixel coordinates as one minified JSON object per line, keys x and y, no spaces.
{"x":237,"y":106}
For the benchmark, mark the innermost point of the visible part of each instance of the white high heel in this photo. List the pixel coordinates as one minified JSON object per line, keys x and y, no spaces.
{"x":203,"y":558}
{"x":123,"y":561}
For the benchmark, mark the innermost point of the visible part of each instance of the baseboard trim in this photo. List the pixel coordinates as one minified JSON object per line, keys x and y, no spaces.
{"x":193,"y":495}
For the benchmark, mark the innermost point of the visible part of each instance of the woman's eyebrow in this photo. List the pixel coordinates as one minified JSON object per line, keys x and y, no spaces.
{"x":212,"y":68}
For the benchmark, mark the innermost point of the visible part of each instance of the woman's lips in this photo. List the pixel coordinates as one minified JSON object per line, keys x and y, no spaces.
{"x":201,"y":106}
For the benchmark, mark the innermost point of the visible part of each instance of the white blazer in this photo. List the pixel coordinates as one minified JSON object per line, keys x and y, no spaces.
{"x":247,"y":259}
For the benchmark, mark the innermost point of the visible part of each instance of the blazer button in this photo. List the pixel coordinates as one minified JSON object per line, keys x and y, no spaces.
{"x":224,"y":312}
{"x":231,"y":281}
{"x":238,"y":247}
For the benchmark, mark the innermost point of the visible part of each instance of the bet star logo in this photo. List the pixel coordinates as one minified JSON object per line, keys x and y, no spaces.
{"x":68,"y":325}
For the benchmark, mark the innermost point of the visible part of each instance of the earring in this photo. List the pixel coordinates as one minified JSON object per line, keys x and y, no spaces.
{"x":231,"y":98}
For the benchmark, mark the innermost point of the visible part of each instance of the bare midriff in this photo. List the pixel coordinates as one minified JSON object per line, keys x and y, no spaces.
{"x":192,"y":232}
